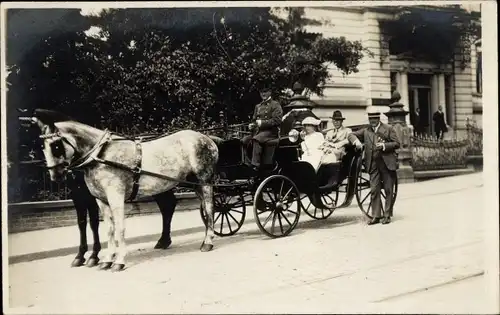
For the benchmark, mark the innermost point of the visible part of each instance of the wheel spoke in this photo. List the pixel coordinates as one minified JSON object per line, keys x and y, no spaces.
{"x":286,"y":195}
{"x":221,"y":224}
{"x":229,"y":223}
{"x":270,"y":197}
{"x":273,"y":223}
{"x":315,"y":210}
{"x":219,"y":214}
{"x":366,"y":197}
{"x":281,"y":189}
{"x":237,"y":211}
{"x":291,"y":211}
{"x":230,"y":215}
{"x":286,"y":219}
{"x":267,"y":219}
{"x":281,"y":224}
{"x":308,"y":206}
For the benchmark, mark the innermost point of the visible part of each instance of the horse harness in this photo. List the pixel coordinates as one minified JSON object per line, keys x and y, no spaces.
{"x":137,"y":171}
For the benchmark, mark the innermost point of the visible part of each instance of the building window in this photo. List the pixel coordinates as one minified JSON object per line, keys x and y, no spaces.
{"x":479,"y":71}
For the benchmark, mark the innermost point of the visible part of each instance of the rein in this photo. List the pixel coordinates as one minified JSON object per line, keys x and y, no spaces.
{"x":93,"y":155}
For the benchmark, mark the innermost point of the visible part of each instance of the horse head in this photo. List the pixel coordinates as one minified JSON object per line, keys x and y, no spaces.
{"x":58,"y":146}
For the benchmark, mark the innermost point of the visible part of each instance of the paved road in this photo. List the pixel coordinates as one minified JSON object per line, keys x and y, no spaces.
{"x":430,"y":259}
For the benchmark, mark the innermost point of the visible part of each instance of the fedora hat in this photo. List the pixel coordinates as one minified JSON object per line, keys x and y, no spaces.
{"x":311,"y":121}
{"x":337,"y":115}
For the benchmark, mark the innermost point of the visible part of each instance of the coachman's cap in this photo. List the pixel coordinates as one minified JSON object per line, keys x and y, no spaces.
{"x":337,"y":115}
{"x":264,"y":87}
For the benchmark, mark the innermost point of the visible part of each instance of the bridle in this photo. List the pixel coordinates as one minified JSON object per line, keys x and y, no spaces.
{"x":77,"y":160}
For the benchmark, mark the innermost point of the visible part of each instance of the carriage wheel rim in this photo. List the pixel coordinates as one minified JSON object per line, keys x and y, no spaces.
{"x":226,"y":223}
{"x":321,"y":214}
{"x":274,"y":220}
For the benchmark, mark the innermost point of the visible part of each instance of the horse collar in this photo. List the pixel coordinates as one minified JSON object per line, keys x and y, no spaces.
{"x":92,"y":154}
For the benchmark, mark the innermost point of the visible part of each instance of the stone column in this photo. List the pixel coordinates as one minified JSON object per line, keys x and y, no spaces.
{"x":397,"y":117}
{"x":405,"y":97}
{"x":434,"y":99}
{"x":451,"y":108}
{"x":442,"y":95}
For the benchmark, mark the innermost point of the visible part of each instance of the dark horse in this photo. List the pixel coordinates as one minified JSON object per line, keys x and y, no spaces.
{"x":116,"y":168}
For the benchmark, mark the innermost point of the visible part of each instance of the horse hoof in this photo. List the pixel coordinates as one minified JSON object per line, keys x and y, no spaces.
{"x":206,"y":247}
{"x":105,"y":265}
{"x":117,"y":267}
{"x":92,"y":262}
{"x":77,"y":262}
{"x":163,"y":244}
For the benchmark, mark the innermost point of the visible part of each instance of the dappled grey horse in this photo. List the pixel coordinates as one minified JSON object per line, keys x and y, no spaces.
{"x":117,"y":168}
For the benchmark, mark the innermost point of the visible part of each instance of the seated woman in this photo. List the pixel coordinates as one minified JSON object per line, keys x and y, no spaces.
{"x":313,"y":140}
{"x":335,"y":140}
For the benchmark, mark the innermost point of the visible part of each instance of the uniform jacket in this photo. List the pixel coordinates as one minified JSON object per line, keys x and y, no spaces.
{"x":271,"y":114}
{"x":369,"y":138}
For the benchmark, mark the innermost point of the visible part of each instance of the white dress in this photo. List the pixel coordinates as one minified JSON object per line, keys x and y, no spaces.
{"x":311,"y":147}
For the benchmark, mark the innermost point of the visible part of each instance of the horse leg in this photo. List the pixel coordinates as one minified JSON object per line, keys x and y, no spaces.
{"x":117,"y":205}
{"x":166,"y":202}
{"x":109,"y":222}
{"x":208,"y":207}
{"x":81,"y":214}
{"x":94,"y":225}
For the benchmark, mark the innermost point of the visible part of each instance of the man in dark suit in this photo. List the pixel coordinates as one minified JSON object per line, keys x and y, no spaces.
{"x":265,"y":124}
{"x":440,"y":126}
{"x":380,"y":141}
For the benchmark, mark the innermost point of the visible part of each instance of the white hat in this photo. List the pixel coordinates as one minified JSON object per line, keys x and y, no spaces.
{"x":311,"y":121}
{"x":375,"y":111}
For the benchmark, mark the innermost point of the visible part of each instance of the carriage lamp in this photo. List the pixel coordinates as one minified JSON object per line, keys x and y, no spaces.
{"x":293,"y":135}
{"x":303,"y":134}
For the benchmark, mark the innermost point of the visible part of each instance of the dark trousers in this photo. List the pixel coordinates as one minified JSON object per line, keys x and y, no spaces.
{"x":439,"y":134}
{"x":256,"y":150}
{"x":381,"y":176}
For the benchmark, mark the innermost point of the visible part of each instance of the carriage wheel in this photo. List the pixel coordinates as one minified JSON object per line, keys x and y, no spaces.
{"x":229,"y":214}
{"x":363,"y":193}
{"x":318,"y":213}
{"x":277,"y":206}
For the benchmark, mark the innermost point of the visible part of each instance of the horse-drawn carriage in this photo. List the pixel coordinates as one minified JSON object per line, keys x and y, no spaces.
{"x":118,"y":167}
{"x":285,"y":186}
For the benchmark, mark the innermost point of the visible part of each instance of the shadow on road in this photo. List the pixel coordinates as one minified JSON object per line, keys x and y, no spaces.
{"x":142,"y":255}
{"x":149,"y":253}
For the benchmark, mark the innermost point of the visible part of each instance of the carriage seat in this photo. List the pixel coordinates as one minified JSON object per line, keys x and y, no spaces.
{"x":328,"y":176}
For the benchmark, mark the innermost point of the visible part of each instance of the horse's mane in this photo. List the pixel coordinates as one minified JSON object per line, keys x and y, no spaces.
{"x":50,"y":117}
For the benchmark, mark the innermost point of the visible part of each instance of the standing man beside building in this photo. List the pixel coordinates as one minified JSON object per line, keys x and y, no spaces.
{"x":265,"y":124}
{"x":380,"y":141}
{"x":440,"y":126}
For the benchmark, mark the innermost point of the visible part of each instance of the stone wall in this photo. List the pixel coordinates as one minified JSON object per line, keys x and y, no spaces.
{"x":30,"y":216}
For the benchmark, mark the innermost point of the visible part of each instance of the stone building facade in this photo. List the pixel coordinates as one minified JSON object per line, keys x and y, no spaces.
{"x":422,"y":84}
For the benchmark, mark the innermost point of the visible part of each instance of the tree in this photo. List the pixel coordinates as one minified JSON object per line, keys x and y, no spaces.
{"x":162,"y":69}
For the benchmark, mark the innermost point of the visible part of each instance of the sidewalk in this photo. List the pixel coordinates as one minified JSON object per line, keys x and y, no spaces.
{"x":142,"y":229}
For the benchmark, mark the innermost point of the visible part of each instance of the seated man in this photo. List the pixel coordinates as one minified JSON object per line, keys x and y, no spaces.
{"x":313,"y":139}
{"x":265,"y":125}
{"x":335,"y":140}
